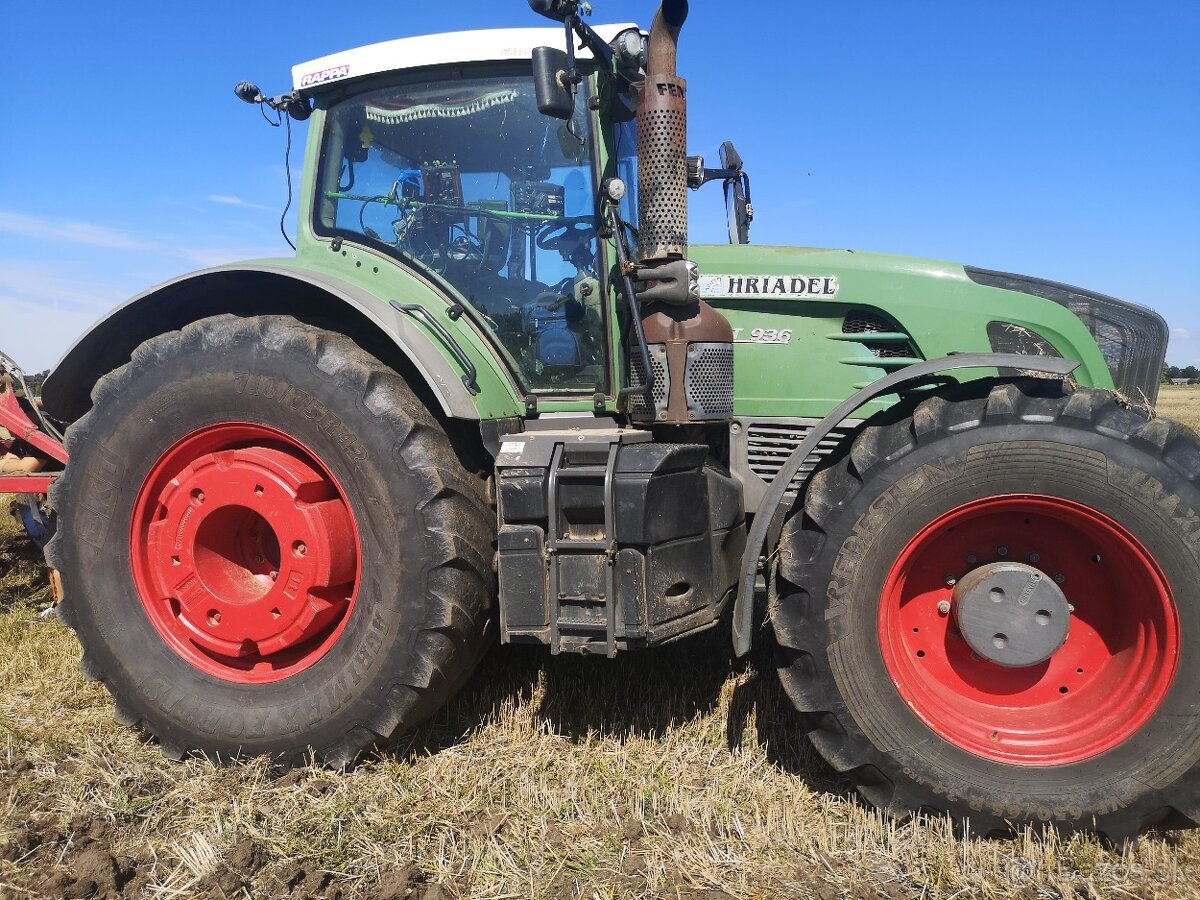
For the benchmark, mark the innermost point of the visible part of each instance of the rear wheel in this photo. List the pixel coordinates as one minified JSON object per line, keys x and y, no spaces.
{"x":268,"y":544}
{"x":986,"y":610}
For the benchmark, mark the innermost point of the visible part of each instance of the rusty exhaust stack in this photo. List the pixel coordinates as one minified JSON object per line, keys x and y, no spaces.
{"x":662,"y":142}
{"x":690,"y":343}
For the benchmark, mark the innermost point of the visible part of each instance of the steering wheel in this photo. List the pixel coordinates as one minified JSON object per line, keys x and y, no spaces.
{"x":555,"y":237}
{"x":464,"y":249}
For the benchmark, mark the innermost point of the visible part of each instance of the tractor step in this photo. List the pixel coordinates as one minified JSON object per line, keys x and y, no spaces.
{"x":583,"y":607}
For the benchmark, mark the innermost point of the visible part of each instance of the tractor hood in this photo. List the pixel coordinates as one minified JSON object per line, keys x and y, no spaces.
{"x":946,"y":307}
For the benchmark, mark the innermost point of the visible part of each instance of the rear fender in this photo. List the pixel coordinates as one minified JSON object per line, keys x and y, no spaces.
{"x":250,"y":290}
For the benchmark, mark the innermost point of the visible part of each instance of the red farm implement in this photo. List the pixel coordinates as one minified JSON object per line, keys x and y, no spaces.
{"x":33,"y":457}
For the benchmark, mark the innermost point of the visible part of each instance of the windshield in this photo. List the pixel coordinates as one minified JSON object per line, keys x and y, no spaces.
{"x":467,"y":178}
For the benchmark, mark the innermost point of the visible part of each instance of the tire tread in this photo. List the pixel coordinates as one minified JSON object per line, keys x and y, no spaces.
{"x":802,"y":664}
{"x":456,"y":504}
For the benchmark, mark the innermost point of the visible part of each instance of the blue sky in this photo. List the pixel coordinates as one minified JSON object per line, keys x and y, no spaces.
{"x":1054,"y":139}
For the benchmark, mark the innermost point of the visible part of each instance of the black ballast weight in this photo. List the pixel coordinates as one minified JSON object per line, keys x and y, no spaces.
{"x":609,"y":542}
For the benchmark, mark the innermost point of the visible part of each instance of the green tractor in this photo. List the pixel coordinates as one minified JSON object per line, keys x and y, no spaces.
{"x":497,"y":392}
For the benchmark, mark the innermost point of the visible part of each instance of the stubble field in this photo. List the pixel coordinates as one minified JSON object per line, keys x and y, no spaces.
{"x":677,"y":773}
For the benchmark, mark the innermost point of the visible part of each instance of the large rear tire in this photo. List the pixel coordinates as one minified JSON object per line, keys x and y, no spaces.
{"x":268,"y":544}
{"x":910,"y":542}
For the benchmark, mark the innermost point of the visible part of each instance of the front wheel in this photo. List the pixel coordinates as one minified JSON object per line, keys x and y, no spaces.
{"x":991,"y":609}
{"x":268,"y":544}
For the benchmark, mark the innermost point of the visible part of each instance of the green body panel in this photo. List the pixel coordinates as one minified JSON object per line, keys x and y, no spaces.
{"x":498,"y":396}
{"x":934,"y":303}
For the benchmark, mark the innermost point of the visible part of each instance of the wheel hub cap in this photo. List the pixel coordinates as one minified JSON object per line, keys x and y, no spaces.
{"x":245,"y":553}
{"x":1011,"y":614}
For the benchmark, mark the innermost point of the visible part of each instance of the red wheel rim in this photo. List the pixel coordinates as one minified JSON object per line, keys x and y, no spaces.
{"x":245,"y":553}
{"x":1099,"y":688}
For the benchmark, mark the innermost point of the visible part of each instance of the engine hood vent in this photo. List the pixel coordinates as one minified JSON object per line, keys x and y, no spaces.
{"x":887,"y":345}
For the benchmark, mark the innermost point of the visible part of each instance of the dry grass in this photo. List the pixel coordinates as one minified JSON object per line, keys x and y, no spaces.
{"x":675,"y":773}
{"x":1181,"y":403}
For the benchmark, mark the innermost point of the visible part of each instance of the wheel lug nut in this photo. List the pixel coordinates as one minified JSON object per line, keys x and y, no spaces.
{"x":1035,"y":557}
{"x":1070,"y":607}
{"x":944,"y":608}
{"x":299,"y":548}
{"x":1002,"y":551}
{"x":274,"y":574}
{"x":951,"y":581}
{"x":972,"y":558}
{"x":1059,"y":578}
{"x":198,"y":495}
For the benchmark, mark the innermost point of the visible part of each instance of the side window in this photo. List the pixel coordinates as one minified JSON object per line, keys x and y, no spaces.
{"x":466,"y":178}
{"x":626,"y":156}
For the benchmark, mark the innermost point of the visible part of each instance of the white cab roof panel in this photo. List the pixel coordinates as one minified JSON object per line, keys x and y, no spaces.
{"x":436,"y":49}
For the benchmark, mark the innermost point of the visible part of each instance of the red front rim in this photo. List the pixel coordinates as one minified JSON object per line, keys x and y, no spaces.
{"x":245,"y":553}
{"x":1099,"y":688}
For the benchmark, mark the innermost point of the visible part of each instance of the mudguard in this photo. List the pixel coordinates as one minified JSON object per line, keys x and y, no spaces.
{"x":743,"y":608}
{"x":248,"y":289}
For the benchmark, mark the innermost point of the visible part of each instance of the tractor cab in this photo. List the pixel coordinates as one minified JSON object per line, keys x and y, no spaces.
{"x":452,"y":171}
{"x":505,"y":171}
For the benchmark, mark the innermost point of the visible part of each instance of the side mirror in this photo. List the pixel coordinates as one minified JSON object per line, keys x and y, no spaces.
{"x":558,"y":10}
{"x":550,"y":83}
{"x":739,"y":211}
{"x":730,"y":158}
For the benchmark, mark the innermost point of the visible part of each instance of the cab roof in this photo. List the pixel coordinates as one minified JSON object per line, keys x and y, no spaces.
{"x":435,"y":49}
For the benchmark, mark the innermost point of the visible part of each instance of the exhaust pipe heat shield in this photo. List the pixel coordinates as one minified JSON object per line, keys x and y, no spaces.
{"x":662,"y":142}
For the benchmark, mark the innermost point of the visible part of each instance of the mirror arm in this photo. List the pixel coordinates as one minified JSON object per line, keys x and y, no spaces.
{"x":572,"y":74}
{"x":698,"y":175}
{"x":704,"y":176}
{"x":591,"y":40}
{"x":575,"y":26}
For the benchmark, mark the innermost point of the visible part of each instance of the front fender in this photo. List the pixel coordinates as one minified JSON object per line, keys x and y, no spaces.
{"x":251,"y":289}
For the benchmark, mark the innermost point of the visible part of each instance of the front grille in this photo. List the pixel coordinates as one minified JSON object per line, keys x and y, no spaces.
{"x":1131,"y":338}
{"x":709,"y":380}
{"x":768,"y":445}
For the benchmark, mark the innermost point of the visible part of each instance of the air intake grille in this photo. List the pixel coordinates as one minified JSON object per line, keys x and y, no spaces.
{"x":863,"y":322}
{"x":769,"y":445}
{"x":662,"y":383}
{"x":892,"y":342}
{"x":709,"y":380}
